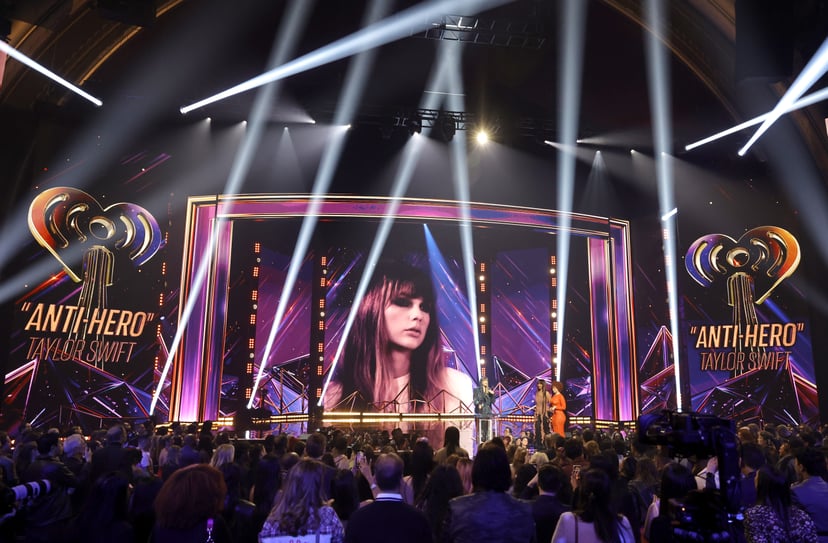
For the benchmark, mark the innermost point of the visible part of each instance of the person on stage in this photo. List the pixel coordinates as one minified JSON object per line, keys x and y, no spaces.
{"x":483,"y":401}
{"x":543,"y":402}
{"x":393,"y":357}
{"x":558,"y":408}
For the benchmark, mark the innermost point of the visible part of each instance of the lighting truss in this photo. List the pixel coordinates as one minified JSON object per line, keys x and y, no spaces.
{"x":493,"y":32}
{"x":404,"y":117}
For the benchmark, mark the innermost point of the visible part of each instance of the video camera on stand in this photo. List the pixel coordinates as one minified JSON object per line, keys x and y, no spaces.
{"x":687,"y":434}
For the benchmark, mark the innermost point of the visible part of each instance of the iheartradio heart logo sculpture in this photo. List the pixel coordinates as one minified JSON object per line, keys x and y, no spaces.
{"x":752,"y":266}
{"x":69,"y":223}
{"x":767,"y":255}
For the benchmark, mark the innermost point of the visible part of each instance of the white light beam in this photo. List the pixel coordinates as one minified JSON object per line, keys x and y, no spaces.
{"x":355,"y":81}
{"x":572,"y":52}
{"x":17,"y":55}
{"x":806,"y":101}
{"x":658,"y":77}
{"x":815,"y":69}
{"x":393,"y":28}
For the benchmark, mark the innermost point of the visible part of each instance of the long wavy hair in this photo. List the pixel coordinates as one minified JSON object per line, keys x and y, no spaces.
{"x":297,"y":506}
{"x":422,"y":464}
{"x":773,"y":491}
{"x":542,"y":398}
{"x":368,"y":346}
{"x":443,"y":485}
{"x":676,"y":481}
{"x":594,"y":505}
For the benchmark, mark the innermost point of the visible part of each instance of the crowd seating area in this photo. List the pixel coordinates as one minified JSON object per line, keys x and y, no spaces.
{"x":138,"y":483}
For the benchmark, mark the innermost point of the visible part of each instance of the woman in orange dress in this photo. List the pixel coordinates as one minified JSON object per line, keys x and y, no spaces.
{"x":558,"y":407}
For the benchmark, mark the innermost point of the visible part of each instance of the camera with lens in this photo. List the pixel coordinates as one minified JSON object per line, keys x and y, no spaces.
{"x":703,"y":515}
{"x":14,"y":498}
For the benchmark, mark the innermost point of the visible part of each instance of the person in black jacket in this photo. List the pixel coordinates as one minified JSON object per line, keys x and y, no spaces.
{"x":548,"y":507}
{"x":490,"y":509}
{"x":388,"y":513}
{"x":51,"y":512}
{"x":113,"y":456}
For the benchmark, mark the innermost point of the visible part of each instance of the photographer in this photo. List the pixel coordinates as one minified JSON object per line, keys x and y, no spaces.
{"x":50,"y":513}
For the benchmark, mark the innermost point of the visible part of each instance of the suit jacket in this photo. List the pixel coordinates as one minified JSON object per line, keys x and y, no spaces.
{"x":546,"y":510}
{"x":111,"y":457}
{"x":388,"y":520}
{"x":490,"y":517}
{"x":812,"y":496}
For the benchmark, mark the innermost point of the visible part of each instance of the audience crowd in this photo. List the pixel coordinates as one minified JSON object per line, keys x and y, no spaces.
{"x":195,"y":484}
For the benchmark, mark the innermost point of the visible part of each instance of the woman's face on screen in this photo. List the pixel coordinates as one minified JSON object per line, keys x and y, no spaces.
{"x":406,"y":321}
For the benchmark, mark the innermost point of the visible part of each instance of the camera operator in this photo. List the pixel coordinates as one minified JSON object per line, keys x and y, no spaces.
{"x":50,"y":513}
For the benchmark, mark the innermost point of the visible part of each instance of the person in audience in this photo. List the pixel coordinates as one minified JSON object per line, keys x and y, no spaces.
{"x":25,"y":450}
{"x":644,"y":485}
{"x":300,"y":509}
{"x":548,"y":507}
{"x":676,"y":482}
{"x":451,"y":445}
{"x":573,"y":456}
{"x":443,"y":485}
{"x":222,"y":460}
{"x":8,"y":473}
{"x":338,"y":450}
{"x":74,"y":457}
{"x":113,"y":455}
{"x":104,"y":516}
{"x":344,"y":495}
{"x":812,"y":493}
{"x":490,"y":509}
{"x":315,"y":448}
{"x":420,"y":465}
{"x":621,"y":499}
{"x":388,"y":514}
{"x":393,"y":355}
{"x":190,"y":453}
{"x":464,"y":468}
{"x":520,"y":483}
{"x":188,"y":507}
{"x":774,"y":518}
{"x":50,"y":513}
{"x":593,"y":519}
{"x":172,"y":461}
{"x":267,"y":481}
{"x":752,"y":458}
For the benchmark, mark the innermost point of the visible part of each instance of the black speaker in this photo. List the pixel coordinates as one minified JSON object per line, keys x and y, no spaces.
{"x":765,"y":37}
{"x":131,"y":12}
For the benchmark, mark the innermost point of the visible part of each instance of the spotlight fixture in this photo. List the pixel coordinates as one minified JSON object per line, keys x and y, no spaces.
{"x":445,"y":126}
{"x":482,"y":137}
{"x":414,"y":124}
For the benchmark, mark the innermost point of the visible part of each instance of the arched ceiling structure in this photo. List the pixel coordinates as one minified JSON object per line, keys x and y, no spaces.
{"x":197,"y":47}
{"x":74,"y":39}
